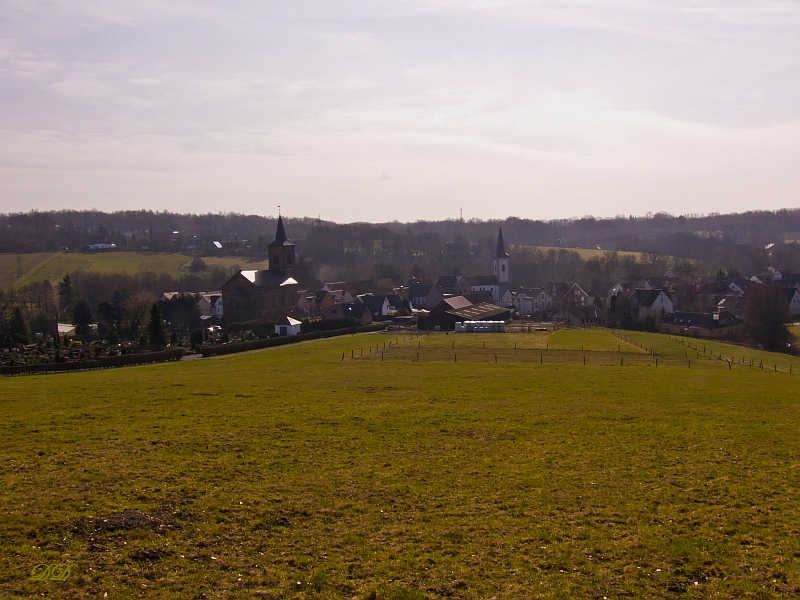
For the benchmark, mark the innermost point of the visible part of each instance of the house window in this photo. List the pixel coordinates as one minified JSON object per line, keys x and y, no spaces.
{"x":504,"y":269}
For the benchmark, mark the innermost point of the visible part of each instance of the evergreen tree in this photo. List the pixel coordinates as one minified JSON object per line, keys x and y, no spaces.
{"x":156,"y":330}
{"x":767,"y":313}
{"x":18,"y":330}
{"x":196,"y":338}
{"x":65,"y":296}
{"x":82,"y":317}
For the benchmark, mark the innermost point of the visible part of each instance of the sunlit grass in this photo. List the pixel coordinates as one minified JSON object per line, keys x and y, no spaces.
{"x":293,"y":473}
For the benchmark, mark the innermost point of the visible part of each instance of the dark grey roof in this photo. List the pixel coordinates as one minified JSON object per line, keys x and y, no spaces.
{"x":501,"y":250}
{"x":481,"y":312}
{"x":564,"y":287}
{"x":478,"y":297}
{"x":790,"y":292}
{"x":452,"y":303}
{"x":658,"y":282}
{"x":373,"y":302}
{"x":288,"y":322}
{"x":353,"y":311}
{"x":789,"y":279}
{"x":702,"y":320}
{"x":646,"y":297}
{"x":417,"y":290}
{"x":484,"y":280}
{"x":268,"y":279}
{"x":280,"y":235}
{"x":742,"y":282}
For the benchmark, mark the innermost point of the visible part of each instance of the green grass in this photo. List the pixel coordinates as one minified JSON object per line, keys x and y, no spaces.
{"x":53,"y":266}
{"x":289,"y":473}
{"x":585,"y":253}
{"x":679,"y":349}
{"x":9,"y":267}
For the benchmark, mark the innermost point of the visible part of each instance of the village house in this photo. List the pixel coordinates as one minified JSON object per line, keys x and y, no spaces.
{"x":529,"y":301}
{"x":288,"y":326}
{"x":740,"y":285}
{"x":354,"y":288}
{"x":210,"y":304}
{"x":652,"y":303}
{"x":486,"y":283}
{"x":314,"y":304}
{"x":570,"y":295}
{"x":793,"y":295}
{"x":454,"y":285}
{"x":378,"y":306}
{"x":708,"y":325}
{"x":423,"y":296}
{"x":349,"y":310}
{"x":580,"y":315}
{"x":264,"y":294}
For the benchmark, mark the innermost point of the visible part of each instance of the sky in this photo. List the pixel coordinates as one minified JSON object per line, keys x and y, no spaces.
{"x":379,"y":110}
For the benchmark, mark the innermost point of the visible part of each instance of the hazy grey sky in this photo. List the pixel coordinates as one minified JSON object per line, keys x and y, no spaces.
{"x":400,"y":109}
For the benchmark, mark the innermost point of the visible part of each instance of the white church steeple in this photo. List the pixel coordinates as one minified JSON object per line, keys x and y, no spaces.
{"x":501,"y":260}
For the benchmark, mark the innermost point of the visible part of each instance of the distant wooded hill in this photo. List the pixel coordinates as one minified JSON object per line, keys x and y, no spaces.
{"x":392,"y":250}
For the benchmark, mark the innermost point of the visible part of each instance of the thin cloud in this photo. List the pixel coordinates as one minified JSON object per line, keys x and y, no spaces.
{"x":555,"y":108}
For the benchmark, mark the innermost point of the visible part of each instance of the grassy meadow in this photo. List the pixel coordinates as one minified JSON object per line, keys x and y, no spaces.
{"x":53,"y":266}
{"x":425,"y":470}
{"x":585,"y":253}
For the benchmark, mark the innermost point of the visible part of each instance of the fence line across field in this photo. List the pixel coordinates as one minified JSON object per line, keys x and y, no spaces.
{"x":481,"y":349}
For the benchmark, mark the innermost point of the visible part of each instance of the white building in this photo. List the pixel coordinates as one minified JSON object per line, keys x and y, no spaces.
{"x":287,"y":326}
{"x":210,"y":304}
{"x":532,"y":300}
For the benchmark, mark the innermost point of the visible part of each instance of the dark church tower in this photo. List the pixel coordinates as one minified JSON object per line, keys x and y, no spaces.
{"x":281,"y":252}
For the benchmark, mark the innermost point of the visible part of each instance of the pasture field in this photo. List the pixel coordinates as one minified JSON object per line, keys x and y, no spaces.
{"x":9,"y":267}
{"x":53,"y":266}
{"x":585,"y":253}
{"x":294,"y":473}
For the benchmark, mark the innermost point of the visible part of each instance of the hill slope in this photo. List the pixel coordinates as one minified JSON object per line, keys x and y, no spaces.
{"x":53,"y":266}
{"x":293,"y":473}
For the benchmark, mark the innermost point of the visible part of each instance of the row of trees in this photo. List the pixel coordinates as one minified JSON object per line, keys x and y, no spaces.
{"x":15,"y":330}
{"x":46,"y":231}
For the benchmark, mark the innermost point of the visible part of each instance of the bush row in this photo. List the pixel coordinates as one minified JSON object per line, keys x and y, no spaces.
{"x":105,"y":362}
{"x":281,"y":341}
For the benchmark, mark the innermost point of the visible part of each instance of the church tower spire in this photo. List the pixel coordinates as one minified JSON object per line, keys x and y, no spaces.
{"x":501,"y":259}
{"x":281,"y":252}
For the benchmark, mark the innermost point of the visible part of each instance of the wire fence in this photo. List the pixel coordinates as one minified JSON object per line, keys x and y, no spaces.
{"x":537,"y":350}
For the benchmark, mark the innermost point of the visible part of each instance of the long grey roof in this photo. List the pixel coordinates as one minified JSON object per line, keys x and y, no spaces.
{"x":702,"y":320}
{"x":268,"y":279}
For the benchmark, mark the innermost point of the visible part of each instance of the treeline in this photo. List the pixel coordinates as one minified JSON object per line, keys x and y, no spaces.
{"x":388,"y":253}
{"x":51,"y":231}
{"x":134,"y":230}
{"x":118,"y":302}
